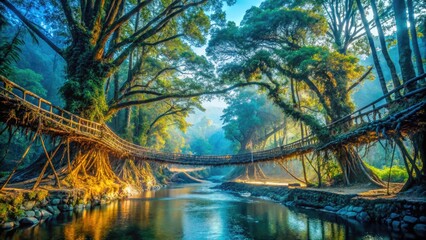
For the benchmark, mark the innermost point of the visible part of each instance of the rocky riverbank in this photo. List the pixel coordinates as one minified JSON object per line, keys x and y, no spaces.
{"x":27,"y":208}
{"x":401,"y":215}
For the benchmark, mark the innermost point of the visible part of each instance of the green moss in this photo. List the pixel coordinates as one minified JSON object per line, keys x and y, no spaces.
{"x":18,"y":200}
{"x":3,"y":211}
{"x":41,"y":194}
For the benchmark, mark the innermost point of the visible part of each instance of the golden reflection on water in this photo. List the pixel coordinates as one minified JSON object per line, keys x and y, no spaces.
{"x":182,"y":214}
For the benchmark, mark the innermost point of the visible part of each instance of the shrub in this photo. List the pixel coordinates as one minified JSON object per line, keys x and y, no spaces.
{"x":397,"y":174}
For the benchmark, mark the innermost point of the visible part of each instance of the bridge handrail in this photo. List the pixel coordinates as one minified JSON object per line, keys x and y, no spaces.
{"x":397,"y":89}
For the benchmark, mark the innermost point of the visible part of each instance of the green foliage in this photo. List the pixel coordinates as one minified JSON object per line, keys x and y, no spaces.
{"x":4,"y":210}
{"x":397,"y":173}
{"x":10,"y":47}
{"x":249,"y":118}
{"x":29,"y":80}
{"x":37,"y":195}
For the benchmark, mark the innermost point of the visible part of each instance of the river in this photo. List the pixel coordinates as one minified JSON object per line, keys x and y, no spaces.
{"x":194,"y":211}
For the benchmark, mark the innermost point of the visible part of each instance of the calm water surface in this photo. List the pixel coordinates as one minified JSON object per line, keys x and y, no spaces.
{"x":196,"y":212}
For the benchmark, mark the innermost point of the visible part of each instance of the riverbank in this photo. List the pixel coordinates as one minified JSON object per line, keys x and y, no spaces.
{"x":400,"y":214}
{"x":20,"y":207}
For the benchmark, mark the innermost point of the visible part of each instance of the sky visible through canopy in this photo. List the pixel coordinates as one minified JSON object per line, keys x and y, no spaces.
{"x":234,"y":13}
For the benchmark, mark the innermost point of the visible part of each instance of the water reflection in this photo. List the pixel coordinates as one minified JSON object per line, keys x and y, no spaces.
{"x":194,"y":212}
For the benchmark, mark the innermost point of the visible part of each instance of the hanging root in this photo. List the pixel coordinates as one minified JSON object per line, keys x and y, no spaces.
{"x":92,"y":170}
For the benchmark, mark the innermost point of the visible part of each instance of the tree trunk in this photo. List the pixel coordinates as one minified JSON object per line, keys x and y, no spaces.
{"x":373,"y":51}
{"x":353,"y":168}
{"x":404,"y":50}
{"x":249,"y":172}
{"x":391,"y":65}
{"x":416,"y":48}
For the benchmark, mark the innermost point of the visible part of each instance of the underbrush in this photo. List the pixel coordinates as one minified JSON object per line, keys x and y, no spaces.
{"x":397,"y":174}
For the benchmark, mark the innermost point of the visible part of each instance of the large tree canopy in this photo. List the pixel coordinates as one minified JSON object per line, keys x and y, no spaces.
{"x":99,"y":36}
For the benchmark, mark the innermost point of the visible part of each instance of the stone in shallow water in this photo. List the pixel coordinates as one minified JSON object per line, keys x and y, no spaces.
{"x":422,"y":219}
{"x":45,"y":213}
{"x":29,"y":221}
{"x":394,"y":216}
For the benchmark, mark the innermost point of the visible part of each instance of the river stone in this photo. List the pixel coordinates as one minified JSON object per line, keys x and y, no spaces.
{"x":7,"y":225}
{"x":357,"y":209}
{"x":53,"y":210}
{"x":64,"y":207}
{"x":396,"y":224}
{"x":388,"y":221}
{"x":363,"y":217}
{"x":43,"y":203}
{"x":420,"y":228}
{"x":410,"y":219}
{"x":351,"y":214}
{"x":55,"y":201}
{"x":394,"y":216}
{"x":29,"y":221}
{"x":330,"y":208}
{"x":405,"y":227}
{"x":28,"y":205}
{"x":37,"y":214}
{"x":45,"y":214}
{"x":422,"y":219}
{"x":30,"y":213}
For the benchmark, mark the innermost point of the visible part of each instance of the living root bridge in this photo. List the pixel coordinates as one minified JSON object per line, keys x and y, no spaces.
{"x":20,"y":108}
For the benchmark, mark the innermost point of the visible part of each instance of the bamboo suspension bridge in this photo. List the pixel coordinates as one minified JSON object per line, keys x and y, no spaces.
{"x":23,"y":109}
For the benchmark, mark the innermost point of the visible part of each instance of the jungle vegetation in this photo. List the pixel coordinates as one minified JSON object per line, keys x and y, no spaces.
{"x":285,"y":71}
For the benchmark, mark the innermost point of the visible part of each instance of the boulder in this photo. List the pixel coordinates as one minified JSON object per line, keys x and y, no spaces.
{"x":29,"y":221}
{"x":394,"y":216}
